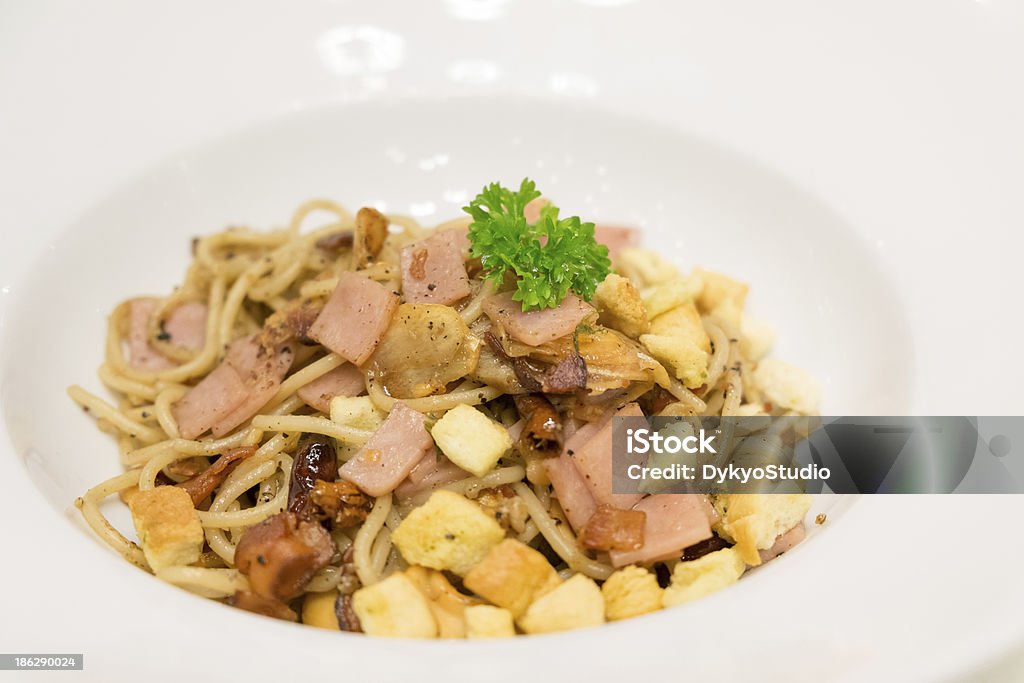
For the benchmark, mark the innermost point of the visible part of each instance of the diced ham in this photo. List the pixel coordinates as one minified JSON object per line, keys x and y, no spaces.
{"x":140,"y":354}
{"x":784,"y":543}
{"x":390,"y":454}
{"x":234,"y":390}
{"x":185,"y":327}
{"x":355,"y":317}
{"x":616,"y":238}
{"x":591,"y":451}
{"x":262,"y":372}
{"x":430,"y":473}
{"x":427,"y":464}
{"x":344,"y":380}
{"x":532,"y":209}
{"x":674,"y":522}
{"x":537,"y":327}
{"x":571,"y":490}
{"x":434,"y":269}
{"x":206,"y":403}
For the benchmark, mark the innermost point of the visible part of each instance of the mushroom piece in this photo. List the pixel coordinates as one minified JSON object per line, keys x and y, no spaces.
{"x":368,"y":240}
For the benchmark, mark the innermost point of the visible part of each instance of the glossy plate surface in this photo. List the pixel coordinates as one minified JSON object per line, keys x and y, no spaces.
{"x":868,"y":207}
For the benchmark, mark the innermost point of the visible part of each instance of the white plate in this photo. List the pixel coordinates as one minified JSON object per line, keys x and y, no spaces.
{"x":871,"y":218}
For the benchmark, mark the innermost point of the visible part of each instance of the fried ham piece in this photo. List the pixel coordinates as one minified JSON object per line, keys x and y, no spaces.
{"x":611,"y":528}
{"x":281,"y":554}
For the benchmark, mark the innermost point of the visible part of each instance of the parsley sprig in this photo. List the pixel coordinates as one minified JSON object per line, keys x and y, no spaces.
{"x":548,"y":257}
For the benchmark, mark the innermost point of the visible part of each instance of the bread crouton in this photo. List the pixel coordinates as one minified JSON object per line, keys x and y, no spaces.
{"x":577,"y":603}
{"x":512,"y":576}
{"x":644,"y":267}
{"x":684,"y":322}
{"x":394,"y":608}
{"x":357,"y":412}
{"x":168,"y":526}
{"x":756,"y":337}
{"x":786,"y":386}
{"x":630,"y":592}
{"x":704,"y":576}
{"x":755,"y":520}
{"x":447,"y":604}
{"x":689,"y":361}
{"x":620,"y":307}
{"x":488,"y":621}
{"x":318,"y":610}
{"x":470,"y":439}
{"x":447,"y":532}
{"x":719,"y":290}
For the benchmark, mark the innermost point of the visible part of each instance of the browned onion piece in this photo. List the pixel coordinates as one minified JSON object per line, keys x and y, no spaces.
{"x":371,"y":231}
{"x":268,"y":607}
{"x":206,"y":482}
{"x":542,"y":431}
{"x":426,"y":347}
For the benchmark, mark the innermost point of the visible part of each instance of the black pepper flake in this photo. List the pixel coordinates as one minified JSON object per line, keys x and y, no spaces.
{"x":261,"y":560}
{"x":450,"y":537}
{"x":570,"y":452}
{"x":431,"y":287}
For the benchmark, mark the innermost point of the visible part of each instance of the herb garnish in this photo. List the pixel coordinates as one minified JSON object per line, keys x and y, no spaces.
{"x":548,"y":257}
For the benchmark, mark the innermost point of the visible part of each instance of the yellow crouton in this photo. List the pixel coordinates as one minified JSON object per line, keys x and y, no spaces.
{"x":487,"y":621}
{"x":318,"y":610}
{"x":512,"y":576}
{"x":168,"y":526}
{"x":447,"y":604}
{"x":394,"y":608}
{"x":577,"y":603}
{"x":357,"y":412}
{"x":689,"y":361}
{"x":470,"y":439}
{"x":620,"y":307}
{"x":755,"y":520}
{"x":704,"y":576}
{"x":718,"y":290}
{"x":630,"y":592}
{"x":786,"y":386}
{"x":665,"y":296}
{"x":756,"y":337}
{"x":644,"y":267}
{"x":447,"y":532}
{"x":684,"y":322}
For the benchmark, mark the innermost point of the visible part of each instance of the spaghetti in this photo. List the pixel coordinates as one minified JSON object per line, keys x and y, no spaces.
{"x":246,"y":281}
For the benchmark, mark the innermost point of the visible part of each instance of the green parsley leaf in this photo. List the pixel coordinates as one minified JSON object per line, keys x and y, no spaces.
{"x":548,"y":257}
